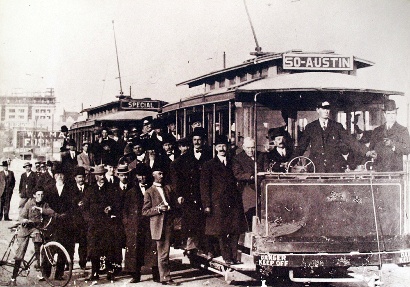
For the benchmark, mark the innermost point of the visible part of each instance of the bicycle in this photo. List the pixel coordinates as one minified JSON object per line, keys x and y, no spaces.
{"x":50,"y":253}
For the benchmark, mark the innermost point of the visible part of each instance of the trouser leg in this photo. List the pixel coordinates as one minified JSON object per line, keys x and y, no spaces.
{"x":225,"y":247}
{"x":2,"y":205}
{"x":233,"y":242}
{"x":16,"y":268}
{"x":163,"y":258}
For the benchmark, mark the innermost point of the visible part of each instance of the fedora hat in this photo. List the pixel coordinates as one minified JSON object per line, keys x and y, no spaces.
{"x":58,"y":167}
{"x":198,"y":131}
{"x":143,"y":169}
{"x":99,"y":169}
{"x":64,"y":129}
{"x":276,"y":132}
{"x":390,"y":105}
{"x":5,"y":163}
{"x":122,"y":168}
{"x":27,"y":164}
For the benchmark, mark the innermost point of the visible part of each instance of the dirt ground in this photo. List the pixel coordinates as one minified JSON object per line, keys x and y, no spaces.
{"x":392,"y":275}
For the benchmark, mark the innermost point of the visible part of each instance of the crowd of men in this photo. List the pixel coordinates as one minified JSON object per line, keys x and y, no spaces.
{"x":146,"y":191}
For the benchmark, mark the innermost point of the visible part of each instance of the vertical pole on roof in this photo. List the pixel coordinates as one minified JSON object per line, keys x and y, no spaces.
{"x":255,"y":134}
{"x":230,"y":120}
{"x":176,"y":122}
{"x":213,"y":128}
{"x":184,"y":124}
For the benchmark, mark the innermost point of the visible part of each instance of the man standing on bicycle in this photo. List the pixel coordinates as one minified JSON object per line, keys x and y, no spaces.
{"x":31,"y":217}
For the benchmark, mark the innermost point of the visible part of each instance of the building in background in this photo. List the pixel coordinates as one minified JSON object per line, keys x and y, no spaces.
{"x":29,"y":126}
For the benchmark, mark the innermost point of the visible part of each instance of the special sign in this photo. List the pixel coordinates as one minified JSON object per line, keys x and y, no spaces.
{"x":134,"y":104}
{"x":317,"y":62}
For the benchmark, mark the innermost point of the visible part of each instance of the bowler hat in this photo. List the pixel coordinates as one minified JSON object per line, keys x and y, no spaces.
{"x":49,"y":163}
{"x":157,"y":168}
{"x":221,"y":139}
{"x":122,"y":168}
{"x":276,"y":132}
{"x":99,"y":169}
{"x":168,"y":138}
{"x":71,"y":142}
{"x":58,"y":168}
{"x":79,"y":170}
{"x":5,"y":163}
{"x":64,"y":129}
{"x":183,"y":142}
{"x":85,"y":142}
{"x":27,"y":164}
{"x":198,"y":131}
{"x":390,"y":105}
{"x":143,"y":169}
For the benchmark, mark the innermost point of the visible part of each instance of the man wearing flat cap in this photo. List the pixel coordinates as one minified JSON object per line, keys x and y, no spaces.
{"x":27,"y":184}
{"x":328,"y":141}
{"x":7,"y":183}
{"x":146,"y":130}
{"x":222,"y":202}
{"x":390,"y":141}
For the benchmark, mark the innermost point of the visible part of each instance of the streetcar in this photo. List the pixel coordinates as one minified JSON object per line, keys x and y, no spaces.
{"x":309,"y":226}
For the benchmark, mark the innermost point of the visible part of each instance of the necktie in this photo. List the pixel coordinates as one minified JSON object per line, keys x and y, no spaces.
{"x":324,"y":126}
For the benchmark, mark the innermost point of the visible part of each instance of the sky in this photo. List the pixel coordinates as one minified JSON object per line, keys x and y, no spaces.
{"x":69,"y":45}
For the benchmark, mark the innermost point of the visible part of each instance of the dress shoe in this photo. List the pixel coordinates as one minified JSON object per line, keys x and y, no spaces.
{"x":12,"y":282}
{"x":41,"y":278}
{"x":8,"y":219}
{"x":92,"y":277}
{"x":59,"y":278}
{"x":110,"y":276}
{"x":229,"y":262}
{"x":236,"y":262}
{"x":135,"y":280}
{"x":170,"y":282}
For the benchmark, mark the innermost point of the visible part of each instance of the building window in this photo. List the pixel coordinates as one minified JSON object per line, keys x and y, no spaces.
{"x":232,"y":81}
{"x":12,"y":116}
{"x":242,"y":77}
{"x":21,"y":117}
{"x":222,"y":83}
{"x":212,"y":86}
{"x":12,"y":110}
{"x":21,"y":110}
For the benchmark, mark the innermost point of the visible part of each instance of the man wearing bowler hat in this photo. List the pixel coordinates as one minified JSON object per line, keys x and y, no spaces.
{"x":27,"y":184}
{"x":222,"y":202}
{"x":328,"y":140}
{"x":390,"y":141}
{"x":7,"y":183}
{"x":276,"y":158}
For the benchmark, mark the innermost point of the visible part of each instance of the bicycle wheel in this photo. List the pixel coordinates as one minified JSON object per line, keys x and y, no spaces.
{"x":54,"y":257}
{"x":7,"y":259}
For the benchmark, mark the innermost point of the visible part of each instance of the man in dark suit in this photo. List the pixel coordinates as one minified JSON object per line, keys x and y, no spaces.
{"x":159,"y":205}
{"x":328,"y":141}
{"x":140,"y":248}
{"x":47,"y":177}
{"x":80,"y":225}
{"x":243,"y":167}
{"x":390,"y":141}
{"x":60,"y":197}
{"x":185,"y":174}
{"x":278,"y":156}
{"x":27,"y":184}
{"x":222,"y":202}
{"x":7,"y":183}
{"x":69,"y":160}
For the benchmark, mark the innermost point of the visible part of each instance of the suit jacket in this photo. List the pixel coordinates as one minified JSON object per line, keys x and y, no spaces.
{"x":7,"y":183}
{"x":273,"y":157}
{"x":220,"y":193}
{"x":158,"y":219}
{"x":27,"y":185}
{"x":327,"y":147}
{"x":68,"y":164}
{"x":387,"y":158}
{"x":243,"y":168}
{"x":86,"y":161}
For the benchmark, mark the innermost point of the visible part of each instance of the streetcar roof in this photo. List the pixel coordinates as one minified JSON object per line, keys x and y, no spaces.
{"x":316,"y":81}
{"x":127,"y":115}
{"x":267,"y":57}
